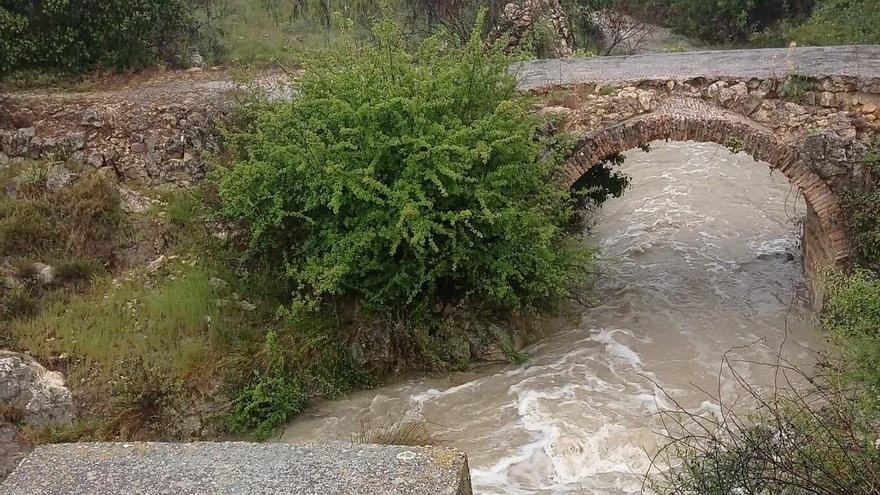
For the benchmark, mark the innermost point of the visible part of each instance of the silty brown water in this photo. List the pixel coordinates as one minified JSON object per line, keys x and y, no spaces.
{"x":695,"y":262}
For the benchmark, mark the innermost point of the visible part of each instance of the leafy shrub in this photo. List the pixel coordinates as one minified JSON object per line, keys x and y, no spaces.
{"x":401,"y":179}
{"x":270,"y":398}
{"x":729,"y":20}
{"x":78,"y":35}
{"x":840,"y":22}
{"x":795,"y":88}
{"x":851,"y":316}
{"x":861,"y":211}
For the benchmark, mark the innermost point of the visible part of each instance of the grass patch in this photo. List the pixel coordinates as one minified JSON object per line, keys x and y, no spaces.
{"x":82,"y":219}
{"x":125,"y":319}
{"x":413,"y":433}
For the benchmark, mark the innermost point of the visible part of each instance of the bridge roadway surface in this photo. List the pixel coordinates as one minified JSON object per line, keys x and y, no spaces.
{"x":856,"y":61}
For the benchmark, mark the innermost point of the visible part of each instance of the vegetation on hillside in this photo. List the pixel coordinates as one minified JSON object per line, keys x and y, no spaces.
{"x":400,"y":214}
{"x":81,"y":35}
{"x":840,"y":22}
{"x":46,"y":42}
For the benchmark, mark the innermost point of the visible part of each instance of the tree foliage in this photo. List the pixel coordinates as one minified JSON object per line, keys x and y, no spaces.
{"x":730,"y":20}
{"x":403,"y":179}
{"x":77,"y":35}
{"x":840,"y":22}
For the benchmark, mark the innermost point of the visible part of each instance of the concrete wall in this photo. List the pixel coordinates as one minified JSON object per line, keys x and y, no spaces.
{"x":239,"y":469}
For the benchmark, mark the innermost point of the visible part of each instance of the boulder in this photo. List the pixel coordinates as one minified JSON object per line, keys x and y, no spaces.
{"x":39,"y":393}
{"x":58,"y":176}
{"x":45,"y":273}
{"x":13,"y":448}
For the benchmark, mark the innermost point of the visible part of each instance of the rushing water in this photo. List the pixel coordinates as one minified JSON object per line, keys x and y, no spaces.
{"x":694,"y":262}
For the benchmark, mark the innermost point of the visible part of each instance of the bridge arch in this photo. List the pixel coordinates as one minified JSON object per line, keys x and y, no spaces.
{"x":825,"y":243}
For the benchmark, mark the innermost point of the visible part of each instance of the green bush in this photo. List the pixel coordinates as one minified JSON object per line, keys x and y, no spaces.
{"x":861,"y":210}
{"x":78,"y":35}
{"x":270,"y":398}
{"x":840,"y":22}
{"x":403,"y":180}
{"x":851,"y":316}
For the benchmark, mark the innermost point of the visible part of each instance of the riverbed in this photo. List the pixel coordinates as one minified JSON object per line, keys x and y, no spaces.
{"x":700,"y":259}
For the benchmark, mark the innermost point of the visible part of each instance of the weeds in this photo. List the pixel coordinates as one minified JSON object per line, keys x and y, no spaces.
{"x":270,"y":398}
{"x":409,"y":432}
{"x":128,"y":318}
{"x":80,"y":430}
{"x":145,"y":402}
{"x":734,"y":144}
{"x":10,"y":413}
{"x":82,"y":219}
{"x":795,"y":88}
{"x":16,"y":303}
{"x":805,"y":436}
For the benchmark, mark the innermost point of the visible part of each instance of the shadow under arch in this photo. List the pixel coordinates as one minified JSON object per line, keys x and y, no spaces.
{"x":825,"y":242}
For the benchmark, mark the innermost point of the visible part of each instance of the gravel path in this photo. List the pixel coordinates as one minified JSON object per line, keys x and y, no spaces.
{"x":861,"y":61}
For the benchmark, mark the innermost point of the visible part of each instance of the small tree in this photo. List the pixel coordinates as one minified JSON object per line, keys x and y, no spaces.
{"x":403,"y":180}
{"x":78,"y":35}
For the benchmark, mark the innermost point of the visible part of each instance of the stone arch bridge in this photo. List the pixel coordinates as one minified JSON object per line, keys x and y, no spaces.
{"x":811,"y":113}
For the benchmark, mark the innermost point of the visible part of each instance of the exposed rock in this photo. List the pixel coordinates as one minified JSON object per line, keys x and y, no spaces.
{"x":752,"y":102}
{"x":58,"y":176}
{"x":646,"y":101}
{"x":196,"y":60}
{"x":38,"y":392}
{"x":157,"y":264}
{"x":517,"y":20}
{"x":244,"y":305}
{"x":73,"y":141}
{"x":95,"y":159}
{"x":45,"y":273}
{"x":781,"y":257}
{"x":826,"y":99}
{"x":714,"y":89}
{"x":218,"y":283}
{"x":132,"y":202}
{"x":91,"y":118}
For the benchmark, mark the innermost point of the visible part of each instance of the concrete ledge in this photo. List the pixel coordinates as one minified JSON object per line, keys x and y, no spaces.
{"x":239,"y":469}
